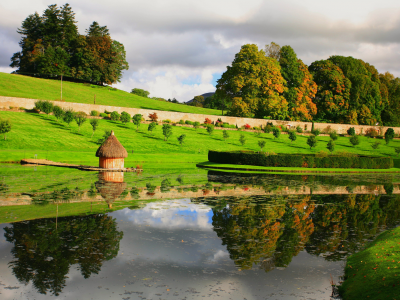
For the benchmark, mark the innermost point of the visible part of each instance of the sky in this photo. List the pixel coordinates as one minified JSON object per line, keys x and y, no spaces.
{"x":179,"y":48}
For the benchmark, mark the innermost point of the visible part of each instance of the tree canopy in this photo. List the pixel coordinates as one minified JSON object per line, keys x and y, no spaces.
{"x":51,"y":45}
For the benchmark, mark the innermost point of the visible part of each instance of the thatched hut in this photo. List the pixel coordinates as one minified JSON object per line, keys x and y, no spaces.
{"x":111,"y":153}
{"x":110,"y":190}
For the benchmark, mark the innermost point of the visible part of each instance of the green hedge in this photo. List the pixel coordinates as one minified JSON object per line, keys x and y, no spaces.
{"x":300,"y":160}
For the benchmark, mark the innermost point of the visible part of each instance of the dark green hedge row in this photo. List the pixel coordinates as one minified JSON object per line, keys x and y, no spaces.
{"x":300,"y":160}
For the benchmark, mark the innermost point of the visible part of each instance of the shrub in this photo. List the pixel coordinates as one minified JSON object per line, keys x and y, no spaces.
{"x":276,"y":132}
{"x":389,"y":135}
{"x":167,"y":121}
{"x":397,"y":150}
{"x":299,"y":129}
{"x":167,"y":131}
{"x":322,"y":153}
{"x":47,"y":107}
{"x":261,"y":144}
{"x":196,"y":125}
{"x":354,"y":140}
{"x":333,"y":135}
{"x":5,"y":127}
{"x":292,"y":136}
{"x":181,"y":139}
{"x":125,"y":117}
{"x":371,"y":132}
{"x":107,"y":112}
{"x":181,"y":122}
{"x":39,"y":105}
{"x":58,"y":112}
{"x":68,"y":116}
{"x":103,"y":115}
{"x":95,"y":124}
{"x":225,"y":134}
{"x":315,"y":132}
{"x":351,"y":131}
{"x":257,"y":133}
{"x":94,"y":113}
{"x":115,"y":116}
{"x":207,"y":121}
{"x":327,"y":130}
{"x":137,"y":119}
{"x":242,"y":139}
{"x":80,"y":118}
{"x":268,"y":128}
{"x":331,"y":145}
{"x":210,"y":129}
{"x":188,"y":122}
{"x":312,"y":141}
{"x":151,"y":127}
{"x":106,"y":134}
{"x":153,"y":117}
{"x":375,"y":145}
{"x":247,"y":126}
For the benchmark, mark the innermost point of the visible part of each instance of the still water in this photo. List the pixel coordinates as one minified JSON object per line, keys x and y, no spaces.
{"x":189,"y":235}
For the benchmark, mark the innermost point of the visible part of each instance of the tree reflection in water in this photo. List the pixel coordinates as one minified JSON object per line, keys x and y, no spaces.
{"x":270,"y":231}
{"x":43,"y":253}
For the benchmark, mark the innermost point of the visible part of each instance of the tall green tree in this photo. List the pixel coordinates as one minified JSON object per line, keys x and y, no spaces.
{"x":391,"y":115}
{"x":253,"y":85}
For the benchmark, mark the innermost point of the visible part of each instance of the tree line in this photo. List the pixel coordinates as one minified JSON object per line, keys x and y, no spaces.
{"x":51,"y":44}
{"x":276,"y":84}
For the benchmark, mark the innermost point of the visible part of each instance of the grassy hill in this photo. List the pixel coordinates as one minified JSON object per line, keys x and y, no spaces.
{"x":43,"y":135}
{"x":45,"y":89}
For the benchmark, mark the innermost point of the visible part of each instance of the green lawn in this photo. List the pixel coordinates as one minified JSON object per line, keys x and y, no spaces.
{"x":374,"y":273}
{"x":45,"y":89}
{"x":42,"y":135}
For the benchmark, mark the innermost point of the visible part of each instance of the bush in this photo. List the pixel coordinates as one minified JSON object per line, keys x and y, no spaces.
{"x":315,"y":132}
{"x":58,"y":112}
{"x":207,"y":121}
{"x":47,"y":107}
{"x":153,"y":117}
{"x":167,"y":121}
{"x":351,"y":131}
{"x":242,"y":139}
{"x":397,"y":150}
{"x":107,"y":112}
{"x":210,"y":129}
{"x":331,"y":145}
{"x":103,"y":115}
{"x":327,"y":130}
{"x":261,"y":144}
{"x":115,"y":116}
{"x":167,"y":131}
{"x":5,"y":127}
{"x":268,"y":128}
{"x":152,"y":126}
{"x":354,"y":140}
{"x":80,"y":118}
{"x":312,"y":141}
{"x":389,"y":135}
{"x":137,"y":119}
{"x":247,"y":126}
{"x":225,"y":134}
{"x":187,"y":122}
{"x":371,"y":132}
{"x":181,"y":139}
{"x":292,"y":136}
{"x":299,"y":129}
{"x":375,"y":145}
{"x":333,"y":135}
{"x":276,"y":132}
{"x":39,"y":105}
{"x":182,"y":122}
{"x":196,"y":125}
{"x":68,"y":116}
{"x":125,"y":117}
{"x":94,"y":113}
{"x":95,"y":124}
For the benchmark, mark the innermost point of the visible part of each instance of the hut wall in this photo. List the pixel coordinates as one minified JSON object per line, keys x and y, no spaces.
{"x":111,"y":163}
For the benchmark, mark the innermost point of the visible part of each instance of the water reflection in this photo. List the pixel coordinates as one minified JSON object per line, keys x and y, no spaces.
{"x":110,"y":186}
{"x":43,"y":251}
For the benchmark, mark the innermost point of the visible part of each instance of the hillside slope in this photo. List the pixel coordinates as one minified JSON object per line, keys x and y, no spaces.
{"x":45,"y":89}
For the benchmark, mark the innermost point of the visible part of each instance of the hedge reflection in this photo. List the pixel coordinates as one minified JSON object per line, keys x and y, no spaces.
{"x":45,"y":249}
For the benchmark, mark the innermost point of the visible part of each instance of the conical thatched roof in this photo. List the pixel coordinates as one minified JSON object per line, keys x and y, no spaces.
{"x":112,"y":148}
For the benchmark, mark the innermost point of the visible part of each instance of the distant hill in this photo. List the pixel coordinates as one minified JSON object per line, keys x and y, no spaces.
{"x":205,"y":95}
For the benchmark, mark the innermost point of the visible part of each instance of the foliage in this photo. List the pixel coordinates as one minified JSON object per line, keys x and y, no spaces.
{"x":58,"y":112}
{"x":301,"y":88}
{"x":137,"y":119}
{"x":198,"y":101}
{"x":151,"y":127}
{"x":331,"y":145}
{"x":253,"y":85}
{"x":371,"y":132}
{"x":167,"y":131}
{"x":375,"y":145}
{"x":312,"y":141}
{"x":225,"y":134}
{"x":299,"y":129}
{"x":333,"y":135}
{"x":51,"y":44}
{"x":181,"y":138}
{"x":153,"y":117}
{"x":115,"y":116}
{"x":165,"y":185}
{"x":242,"y":139}
{"x":94,"y":113}
{"x":390,"y":84}
{"x":95,"y":124}
{"x":273,"y":50}
{"x":68,"y":116}
{"x":210,"y":129}
{"x":268,"y":128}
{"x":315,"y":132}
{"x":103,"y":115}
{"x":5,"y":127}
{"x":125,"y":117}
{"x":105,"y":136}
{"x":140,"y":92}
{"x":351,"y":131}
{"x":47,"y":107}
{"x":389,"y":135}
{"x":397,"y":150}
{"x":207,"y":121}
{"x":80,"y":118}
{"x":247,"y":126}
{"x":196,"y":125}
{"x":292,"y":136}
{"x":261,"y":144}
{"x":276,"y":132}
{"x":354,"y":140}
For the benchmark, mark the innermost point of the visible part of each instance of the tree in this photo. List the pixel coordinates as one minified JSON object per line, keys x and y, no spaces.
{"x":210,"y":129}
{"x":331,"y":145}
{"x":242,"y":139}
{"x":389,"y":135}
{"x":301,"y":88}
{"x":47,"y":107}
{"x":276,"y":132}
{"x":68,"y":116}
{"x":140,"y":92}
{"x":312,"y":141}
{"x":354,"y":140}
{"x":225,"y":134}
{"x":273,"y":50}
{"x":253,"y":85}
{"x":196,"y":125}
{"x":375,"y":145}
{"x":315,"y":132}
{"x":391,"y":115}
{"x":125,"y":117}
{"x":333,"y":135}
{"x":80,"y":118}
{"x":137,"y":119}
{"x":115,"y":116}
{"x":95,"y":124}
{"x":292,"y":136}
{"x":181,"y":139}
{"x":261,"y":144}
{"x":58,"y":112}
{"x":351,"y":131}
{"x":105,"y":136}
{"x":198,"y":101}
{"x":397,"y":150}
{"x":151,"y":127}
{"x":5,"y":127}
{"x":167,"y":131}
{"x":153,"y":117}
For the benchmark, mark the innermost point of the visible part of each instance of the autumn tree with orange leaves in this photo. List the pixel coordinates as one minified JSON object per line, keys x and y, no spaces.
{"x":254,"y":85}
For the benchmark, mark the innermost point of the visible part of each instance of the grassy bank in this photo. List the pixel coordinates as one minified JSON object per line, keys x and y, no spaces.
{"x":54,"y":140}
{"x":374,"y":273}
{"x":45,"y":89}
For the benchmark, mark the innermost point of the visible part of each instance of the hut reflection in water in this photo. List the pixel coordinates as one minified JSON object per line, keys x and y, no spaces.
{"x":110,"y":186}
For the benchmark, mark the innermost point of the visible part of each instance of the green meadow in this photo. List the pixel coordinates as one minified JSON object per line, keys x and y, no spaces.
{"x":42,"y":135}
{"x":12,"y":85}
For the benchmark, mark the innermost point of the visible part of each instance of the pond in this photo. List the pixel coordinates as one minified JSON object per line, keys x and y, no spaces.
{"x":184,"y":233}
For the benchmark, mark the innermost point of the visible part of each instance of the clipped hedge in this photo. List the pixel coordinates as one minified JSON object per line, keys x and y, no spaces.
{"x":300,"y":160}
